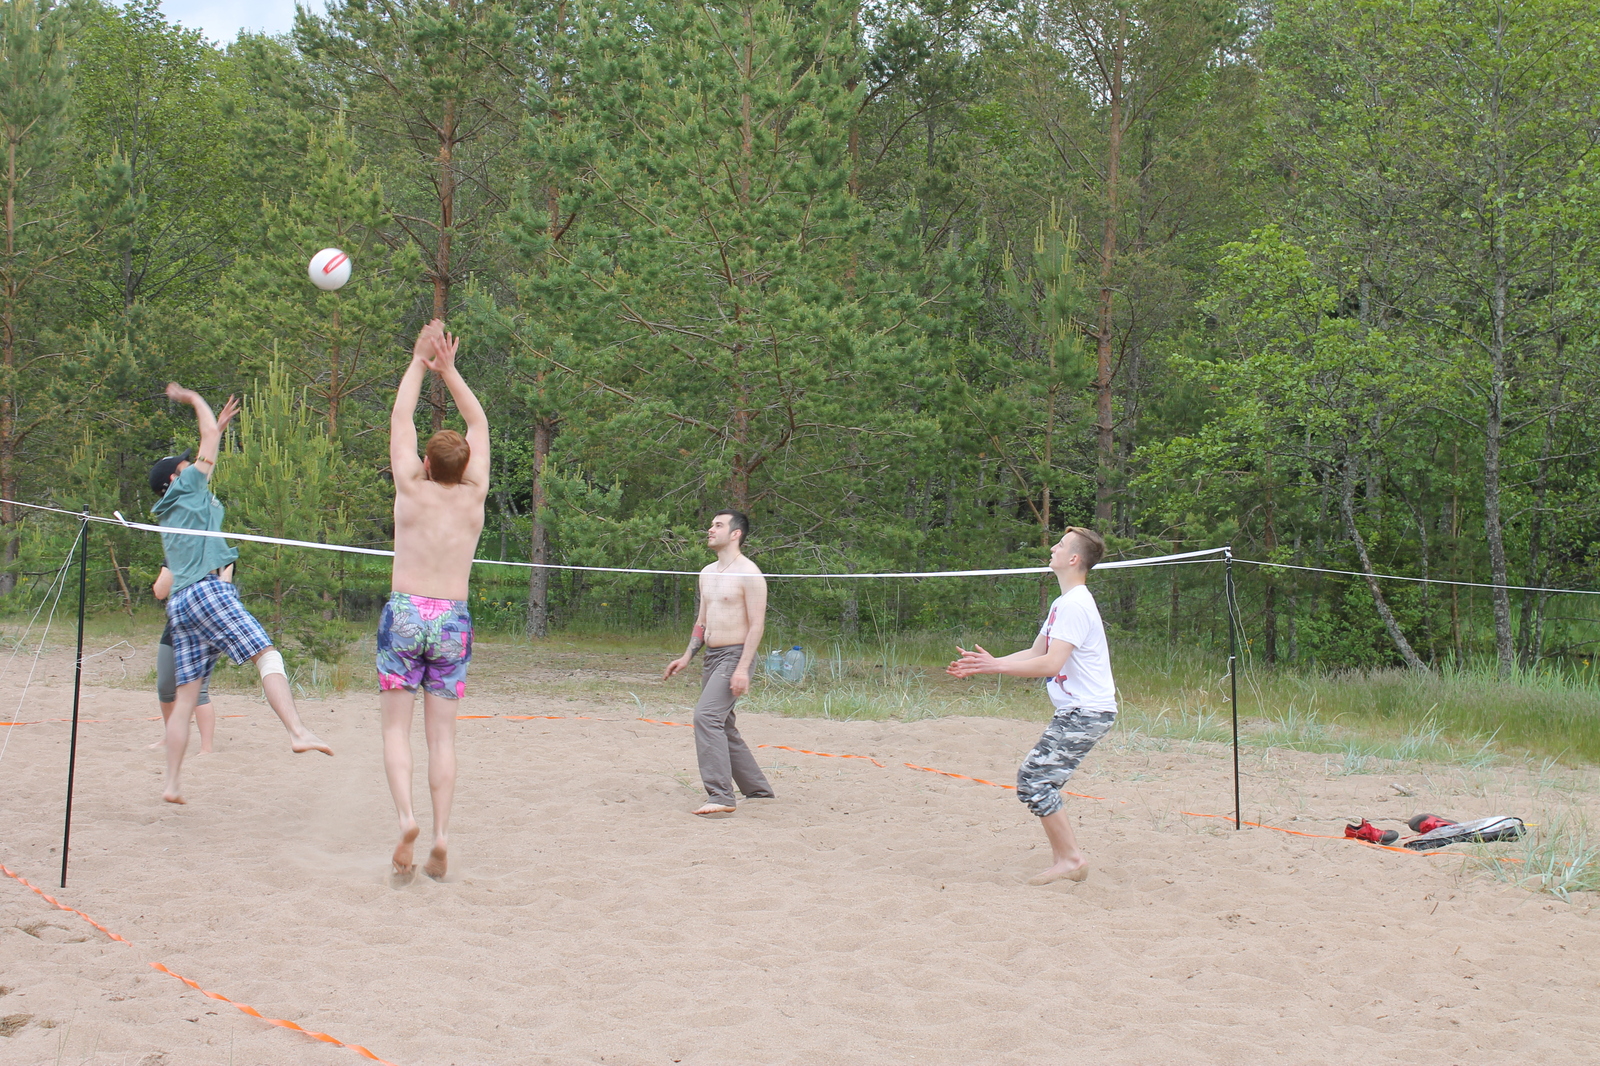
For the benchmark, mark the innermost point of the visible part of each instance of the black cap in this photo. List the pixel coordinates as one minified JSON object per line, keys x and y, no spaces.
{"x":161,"y":473}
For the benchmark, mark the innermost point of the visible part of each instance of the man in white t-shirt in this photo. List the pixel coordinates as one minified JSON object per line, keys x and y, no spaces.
{"x":1071,"y":651}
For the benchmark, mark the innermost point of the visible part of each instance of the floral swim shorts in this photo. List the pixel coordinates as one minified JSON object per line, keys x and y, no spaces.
{"x":426,"y":643}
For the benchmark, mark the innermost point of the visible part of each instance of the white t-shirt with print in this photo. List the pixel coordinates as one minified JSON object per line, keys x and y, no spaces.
{"x":1085,"y":679}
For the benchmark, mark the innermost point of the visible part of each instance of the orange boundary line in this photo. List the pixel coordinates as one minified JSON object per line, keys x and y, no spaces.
{"x":964,"y":777}
{"x":282,"y":1023}
{"x":25,"y":883}
{"x":824,"y":754}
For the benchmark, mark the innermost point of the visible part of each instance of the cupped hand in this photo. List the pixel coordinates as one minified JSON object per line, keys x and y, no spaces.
{"x":179,"y":394}
{"x":976,"y":661}
{"x":229,"y":409}
{"x":444,"y":351}
{"x":739,"y":683}
{"x":673,"y":667}
{"x":423,"y":349}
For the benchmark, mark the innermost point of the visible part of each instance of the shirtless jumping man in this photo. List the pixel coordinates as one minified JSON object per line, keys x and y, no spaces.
{"x":203,"y":609}
{"x":425,"y":634}
{"x":733,"y":614}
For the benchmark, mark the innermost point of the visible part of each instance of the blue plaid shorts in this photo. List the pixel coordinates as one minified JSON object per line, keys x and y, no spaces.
{"x":208,"y":618}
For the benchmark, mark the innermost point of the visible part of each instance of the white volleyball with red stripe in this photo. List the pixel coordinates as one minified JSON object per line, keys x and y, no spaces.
{"x":329,"y":269}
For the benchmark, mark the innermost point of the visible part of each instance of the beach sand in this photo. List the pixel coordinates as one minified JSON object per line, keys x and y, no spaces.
{"x":869,"y":914}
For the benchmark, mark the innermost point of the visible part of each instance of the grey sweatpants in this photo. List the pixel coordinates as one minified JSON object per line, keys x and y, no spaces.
{"x":725,"y":759}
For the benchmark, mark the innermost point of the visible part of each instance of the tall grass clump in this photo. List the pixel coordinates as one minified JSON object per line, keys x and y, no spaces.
{"x":1560,"y":857}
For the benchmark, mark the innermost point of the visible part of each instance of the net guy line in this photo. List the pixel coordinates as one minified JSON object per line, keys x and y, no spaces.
{"x":58,"y":585}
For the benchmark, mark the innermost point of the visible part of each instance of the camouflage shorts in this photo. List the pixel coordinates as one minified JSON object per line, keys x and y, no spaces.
{"x":1067,"y":739}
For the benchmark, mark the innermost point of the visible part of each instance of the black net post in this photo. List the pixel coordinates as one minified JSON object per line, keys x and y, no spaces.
{"x":77,"y":688}
{"x":1233,"y":677}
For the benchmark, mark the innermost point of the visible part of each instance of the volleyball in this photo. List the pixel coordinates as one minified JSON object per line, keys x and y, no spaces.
{"x":329,"y":269}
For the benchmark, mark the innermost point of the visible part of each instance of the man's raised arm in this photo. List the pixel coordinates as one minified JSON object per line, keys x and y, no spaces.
{"x":210,"y":425}
{"x":403,"y":460}
{"x":443,"y":363}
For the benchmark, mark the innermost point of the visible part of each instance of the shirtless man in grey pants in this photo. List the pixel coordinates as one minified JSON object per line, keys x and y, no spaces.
{"x":732,"y":616}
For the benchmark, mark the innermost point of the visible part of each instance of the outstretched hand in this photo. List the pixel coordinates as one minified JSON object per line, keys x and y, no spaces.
{"x":976,"y":661}
{"x":444,"y":351}
{"x":422,"y":351}
{"x":229,"y":409}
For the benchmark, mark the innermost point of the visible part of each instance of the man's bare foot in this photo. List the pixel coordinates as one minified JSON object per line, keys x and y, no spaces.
{"x":206,"y":751}
{"x":435,"y":866}
{"x":308,"y":741}
{"x":1062,"y":872}
{"x":173,"y":797}
{"x":404,"y":857}
{"x":716,"y":808}
{"x":158,"y":744}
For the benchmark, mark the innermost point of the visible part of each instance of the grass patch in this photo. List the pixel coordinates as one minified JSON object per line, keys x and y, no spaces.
{"x":1559,"y":856}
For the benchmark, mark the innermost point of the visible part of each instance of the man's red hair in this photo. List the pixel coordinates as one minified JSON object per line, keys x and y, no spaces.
{"x":448,"y":453}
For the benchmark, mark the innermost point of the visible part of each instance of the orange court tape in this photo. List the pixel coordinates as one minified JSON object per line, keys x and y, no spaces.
{"x":824,"y":754}
{"x":25,"y":883}
{"x":280,"y":1022}
{"x":964,"y":777}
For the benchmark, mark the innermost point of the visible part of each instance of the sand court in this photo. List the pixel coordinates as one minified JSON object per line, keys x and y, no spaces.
{"x":869,"y":914}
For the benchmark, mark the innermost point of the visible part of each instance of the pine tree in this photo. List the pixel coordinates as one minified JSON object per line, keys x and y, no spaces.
{"x":433,"y":88}
{"x":336,"y":345}
{"x":52,"y":362}
{"x":708,"y":281}
{"x":289,"y":479}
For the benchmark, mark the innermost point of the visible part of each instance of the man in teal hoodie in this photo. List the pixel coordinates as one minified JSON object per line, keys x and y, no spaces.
{"x":204,"y":610}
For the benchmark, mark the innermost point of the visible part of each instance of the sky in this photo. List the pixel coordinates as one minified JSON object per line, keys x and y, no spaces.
{"x":221,"y":20}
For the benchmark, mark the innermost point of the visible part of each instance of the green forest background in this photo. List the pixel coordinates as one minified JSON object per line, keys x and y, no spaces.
{"x":917,"y":285}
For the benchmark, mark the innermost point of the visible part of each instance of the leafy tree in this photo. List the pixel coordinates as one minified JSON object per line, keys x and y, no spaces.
{"x":719,"y":290}
{"x":1308,"y":390}
{"x":1446,"y":147}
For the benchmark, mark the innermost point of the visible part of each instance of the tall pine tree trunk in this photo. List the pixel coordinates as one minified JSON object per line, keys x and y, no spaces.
{"x":8,"y":414}
{"x":437,"y":395}
{"x":1493,"y":439}
{"x":1105,"y":443}
{"x":544,"y":431}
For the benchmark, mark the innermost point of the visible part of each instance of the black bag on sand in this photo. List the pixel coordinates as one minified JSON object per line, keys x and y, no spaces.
{"x":1477,"y":831}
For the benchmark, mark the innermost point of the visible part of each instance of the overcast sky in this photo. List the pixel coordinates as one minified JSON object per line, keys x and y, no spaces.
{"x":221,"y":20}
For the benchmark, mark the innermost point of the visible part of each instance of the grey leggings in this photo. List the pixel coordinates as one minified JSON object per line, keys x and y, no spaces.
{"x":167,"y":674}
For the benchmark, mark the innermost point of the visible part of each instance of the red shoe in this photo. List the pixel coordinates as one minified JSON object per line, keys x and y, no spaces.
{"x":1426,"y":823}
{"x":1371,"y":833}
